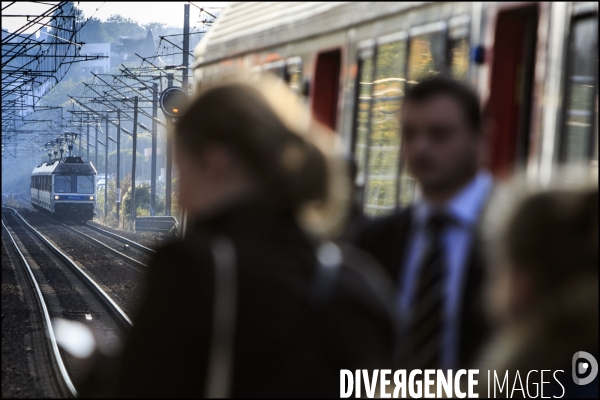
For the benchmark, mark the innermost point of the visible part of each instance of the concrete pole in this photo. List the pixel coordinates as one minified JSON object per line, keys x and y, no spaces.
{"x":133,"y":157}
{"x":106,"y":172}
{"x":87,"y":125}
{"x":186,"y":44}
{"x":96,"y":148}
{"x":118,"y":163}
{"x":169,"y":163}
{"x":154,"y":140}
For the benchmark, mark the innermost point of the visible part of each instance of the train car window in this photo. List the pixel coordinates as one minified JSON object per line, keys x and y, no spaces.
{"x":459,"y":47}
{"x":85,"y":184}
{"x":427,"y":52}
{"x":62,"y":183}
{"x":459,"y":58}
{"x":294,"y":74}
{"x":384,"y":143}
{"x":364,"y":82}
{"x":426,"y":57}
{"x":580,"y":140}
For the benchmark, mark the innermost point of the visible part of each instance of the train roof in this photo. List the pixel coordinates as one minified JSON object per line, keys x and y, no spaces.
{"x":247,"y":26}
{"x":68,"y":165}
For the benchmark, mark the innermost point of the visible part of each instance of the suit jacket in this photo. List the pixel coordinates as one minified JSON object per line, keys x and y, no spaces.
{"x":285,"y":345}
{"x":387,"y":241}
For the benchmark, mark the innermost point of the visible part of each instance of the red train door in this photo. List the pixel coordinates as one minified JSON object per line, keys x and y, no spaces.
{"x":325,"y":87}
{"x":511,"y":86}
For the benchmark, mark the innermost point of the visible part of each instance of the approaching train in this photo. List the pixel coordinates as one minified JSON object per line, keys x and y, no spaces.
{"x":66,"y":188}
{"x":534,"y":65}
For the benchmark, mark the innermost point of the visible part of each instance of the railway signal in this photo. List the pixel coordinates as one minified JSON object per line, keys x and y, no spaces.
{"x":173,"y":100}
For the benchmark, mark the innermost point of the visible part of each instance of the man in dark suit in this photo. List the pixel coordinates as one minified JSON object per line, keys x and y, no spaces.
{"x":431,"y":248}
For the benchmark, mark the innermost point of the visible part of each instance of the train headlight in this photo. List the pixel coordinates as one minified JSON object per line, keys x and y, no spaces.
{"x":55,"y":197}
{"x":91,"y":197}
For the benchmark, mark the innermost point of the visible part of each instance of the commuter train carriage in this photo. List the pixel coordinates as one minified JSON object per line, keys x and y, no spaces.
{"x":534,"y":64}
{"x":65,"y":188}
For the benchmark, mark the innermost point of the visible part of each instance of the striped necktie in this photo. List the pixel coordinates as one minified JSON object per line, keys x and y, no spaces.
{"x":425,"y":333}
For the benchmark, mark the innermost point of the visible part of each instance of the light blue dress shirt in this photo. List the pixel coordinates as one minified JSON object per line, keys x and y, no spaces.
{"x":465,"y":208}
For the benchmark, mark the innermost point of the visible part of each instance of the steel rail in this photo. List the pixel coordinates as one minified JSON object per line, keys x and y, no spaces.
{"x":120,"y":317}
{"x":123,"y":239}
{"x":66,"y":379}
{"x":114,"y":252}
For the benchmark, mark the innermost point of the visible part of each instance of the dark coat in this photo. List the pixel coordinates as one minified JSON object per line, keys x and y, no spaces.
{"x":387,"y":239}
{"x":285,"y":345}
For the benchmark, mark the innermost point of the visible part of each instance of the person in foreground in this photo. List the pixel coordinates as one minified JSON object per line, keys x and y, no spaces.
{"x":542,"y":291}
{"x":248,"y":304}
{"x":431,"y":248}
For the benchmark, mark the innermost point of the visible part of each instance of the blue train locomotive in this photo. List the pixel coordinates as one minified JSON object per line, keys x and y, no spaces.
{"x":66,"y":188}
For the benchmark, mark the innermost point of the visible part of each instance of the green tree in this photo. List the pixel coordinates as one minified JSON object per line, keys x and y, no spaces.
{"x":142,"y":200}
{"x":118,"y":26}
{"x":59,"y":94}
{"x":157,"y":28}
{"x":126,"y":155}
{"x":175,"y":196}
{"x":94,"y":31}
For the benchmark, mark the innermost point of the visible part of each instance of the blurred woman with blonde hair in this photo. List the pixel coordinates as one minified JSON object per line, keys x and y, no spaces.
{"x":543,"y":286}
{"x":248,"y":304}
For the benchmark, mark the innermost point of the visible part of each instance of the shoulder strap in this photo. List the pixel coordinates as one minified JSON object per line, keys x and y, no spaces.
{"x":221,"y":347}
{"x":329,"y":260}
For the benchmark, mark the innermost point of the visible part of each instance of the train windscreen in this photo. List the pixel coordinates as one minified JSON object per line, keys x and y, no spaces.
{"x":85,"y":184}
{"x":62,"y":184}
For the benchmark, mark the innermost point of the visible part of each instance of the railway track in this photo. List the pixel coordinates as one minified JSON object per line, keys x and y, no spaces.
{"x":144,"y":249}
{"x":47,"y":359}
{"x":67,"y":290}
{"x":119,"y":276}
{"x":113,"y":244}
{"x":137,"y":254}
{"x":118,"y":242}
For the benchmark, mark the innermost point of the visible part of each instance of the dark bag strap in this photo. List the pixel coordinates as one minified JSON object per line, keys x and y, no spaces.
{"x":221,"y":347}
{"x":329,"y":261}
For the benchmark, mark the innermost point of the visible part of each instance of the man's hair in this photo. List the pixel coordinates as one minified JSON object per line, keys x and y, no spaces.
{"x":440,"y":85}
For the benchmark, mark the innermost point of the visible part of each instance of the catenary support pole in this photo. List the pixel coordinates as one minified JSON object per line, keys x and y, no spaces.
{"x":154,"y":140}
{"x":87,"y":125}
{"x":133,"y":157}
{"x":106,"y":171}
{"x":169,"y":162}
{"x":118,"y":164}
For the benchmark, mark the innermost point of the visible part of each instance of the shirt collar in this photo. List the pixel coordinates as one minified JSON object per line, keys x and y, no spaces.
{"x":465,"y":205}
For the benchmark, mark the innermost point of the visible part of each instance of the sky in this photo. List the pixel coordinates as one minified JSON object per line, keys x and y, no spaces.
{"x":170,"y":12}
